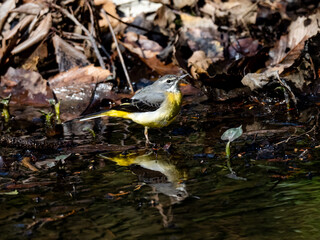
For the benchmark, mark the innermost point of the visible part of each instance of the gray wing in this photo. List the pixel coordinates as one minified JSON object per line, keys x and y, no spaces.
{"x":145,"y":100}
{"x":149,"y":96}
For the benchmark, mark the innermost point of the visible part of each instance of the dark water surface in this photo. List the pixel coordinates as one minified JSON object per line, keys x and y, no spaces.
{"x":184,"y":191}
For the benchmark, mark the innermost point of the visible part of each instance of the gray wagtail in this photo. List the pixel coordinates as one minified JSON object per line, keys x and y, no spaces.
{"x":154,"y":106}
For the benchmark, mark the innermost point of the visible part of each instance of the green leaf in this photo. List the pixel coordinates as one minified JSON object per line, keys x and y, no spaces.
{"x":232,"y":134}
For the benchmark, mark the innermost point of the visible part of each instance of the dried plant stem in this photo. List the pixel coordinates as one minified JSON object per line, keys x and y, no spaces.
{"x":295,"y":137}
{"x":286,"y":86}
{"x":91,"y":38}
{"x":118,"y":49}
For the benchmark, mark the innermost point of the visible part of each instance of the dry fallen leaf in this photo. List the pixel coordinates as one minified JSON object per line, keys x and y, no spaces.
{"x":164,"y":19}
{"x":26,"y":88}
{"x":67,"y":56}
{"x":258,"y":80}
{"x":26,"y":162}
{"x":148,"y":50}
{"x":199,"y":64}
{"x":38,"y":55}
{"x":36,"y":36}
{"x":190,"y":21}
{"x":109,"y":7}
{"x":238,"y":12}
{"x":18,"y":28}
{"x":289,"y":47}
{"x":285,"y":52}
{"x":75,"y":87}
{"x":183,"y":3}
{"x":141,"y":45}
{"x":29,"y":8}
{"x":5,"y":9}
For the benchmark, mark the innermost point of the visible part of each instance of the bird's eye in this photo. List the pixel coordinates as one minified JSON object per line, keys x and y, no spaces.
{"x":169,"y":81}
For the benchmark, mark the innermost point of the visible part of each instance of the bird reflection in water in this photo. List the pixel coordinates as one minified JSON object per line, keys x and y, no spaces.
{"x":161,"y":174}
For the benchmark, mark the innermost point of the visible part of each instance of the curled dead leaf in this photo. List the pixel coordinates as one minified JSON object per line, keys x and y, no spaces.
{"x":109,"y":7}
{"x":36,"y":36}
{"x":164,"y":19}
{"x":190,"y":21}
{"x":258,"y":80}
{"x":5,"y":9}
{"x":29,"y":8}
{"x":148,"y":50}
{"x":26,"y":162}
{"x":141,"y":45}
{"x":17,"y":28}
{"x":199,"y":64}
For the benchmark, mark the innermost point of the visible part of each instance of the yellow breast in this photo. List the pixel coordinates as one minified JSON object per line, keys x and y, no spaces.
{"x":164,"y":115}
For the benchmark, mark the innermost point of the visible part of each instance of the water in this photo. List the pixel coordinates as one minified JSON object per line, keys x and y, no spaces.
{"x":184,"y":191}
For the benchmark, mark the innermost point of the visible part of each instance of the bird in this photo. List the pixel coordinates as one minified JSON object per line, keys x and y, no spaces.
{"x":154,"y":106}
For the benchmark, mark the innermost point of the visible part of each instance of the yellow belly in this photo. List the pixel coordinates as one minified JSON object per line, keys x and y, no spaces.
{"x":163,"y":116}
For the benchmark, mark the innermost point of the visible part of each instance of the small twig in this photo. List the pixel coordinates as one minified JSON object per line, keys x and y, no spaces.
{"x":118,"y":50}
{"x":91,"y":38}
{"x":92,"y":30}
{"x":75,"y":36}
{"x":294,"y":137}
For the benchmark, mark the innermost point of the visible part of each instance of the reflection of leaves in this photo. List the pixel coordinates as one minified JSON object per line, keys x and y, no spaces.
{"x":15,"y":192}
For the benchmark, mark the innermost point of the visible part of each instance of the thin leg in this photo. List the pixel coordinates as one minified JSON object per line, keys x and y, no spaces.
{"x":146,"y":135}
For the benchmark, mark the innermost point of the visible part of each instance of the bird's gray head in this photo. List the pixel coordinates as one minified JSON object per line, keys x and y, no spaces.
{"x":169,"y":82}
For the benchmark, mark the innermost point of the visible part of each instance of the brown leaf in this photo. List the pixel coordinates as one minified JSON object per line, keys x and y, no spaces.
{"x":37,"y":56}
{"x":110,"y":8}
{"x":243,"y":47}
{"x":237,"y":12}
{"x":199,"y":64}
{"x":141,"y":45}
{"x":5,"y":9}
{"x":148,"y":50}
{"x":161,"y":68}
{"x":183,"y":3}
{"x":289,"y":47}
{"x":29,"y":8}
{"x":18,"y":28}
{"x":67,"y":56}
{"x":75,"y":87}
{"x":36,"y":36}
{"x":26,"y":162}
{"x":190,"y":21}
{"x":26,"y":87}
{"x":258,"y":80}
{"x":165,"y":20}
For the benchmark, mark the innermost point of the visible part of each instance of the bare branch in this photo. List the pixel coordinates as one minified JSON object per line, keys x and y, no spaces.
{"x":118,"y":49}
{"x":91,"y":38}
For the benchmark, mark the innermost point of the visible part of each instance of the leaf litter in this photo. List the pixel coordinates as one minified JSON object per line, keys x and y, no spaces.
{"x":264,"y":53}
